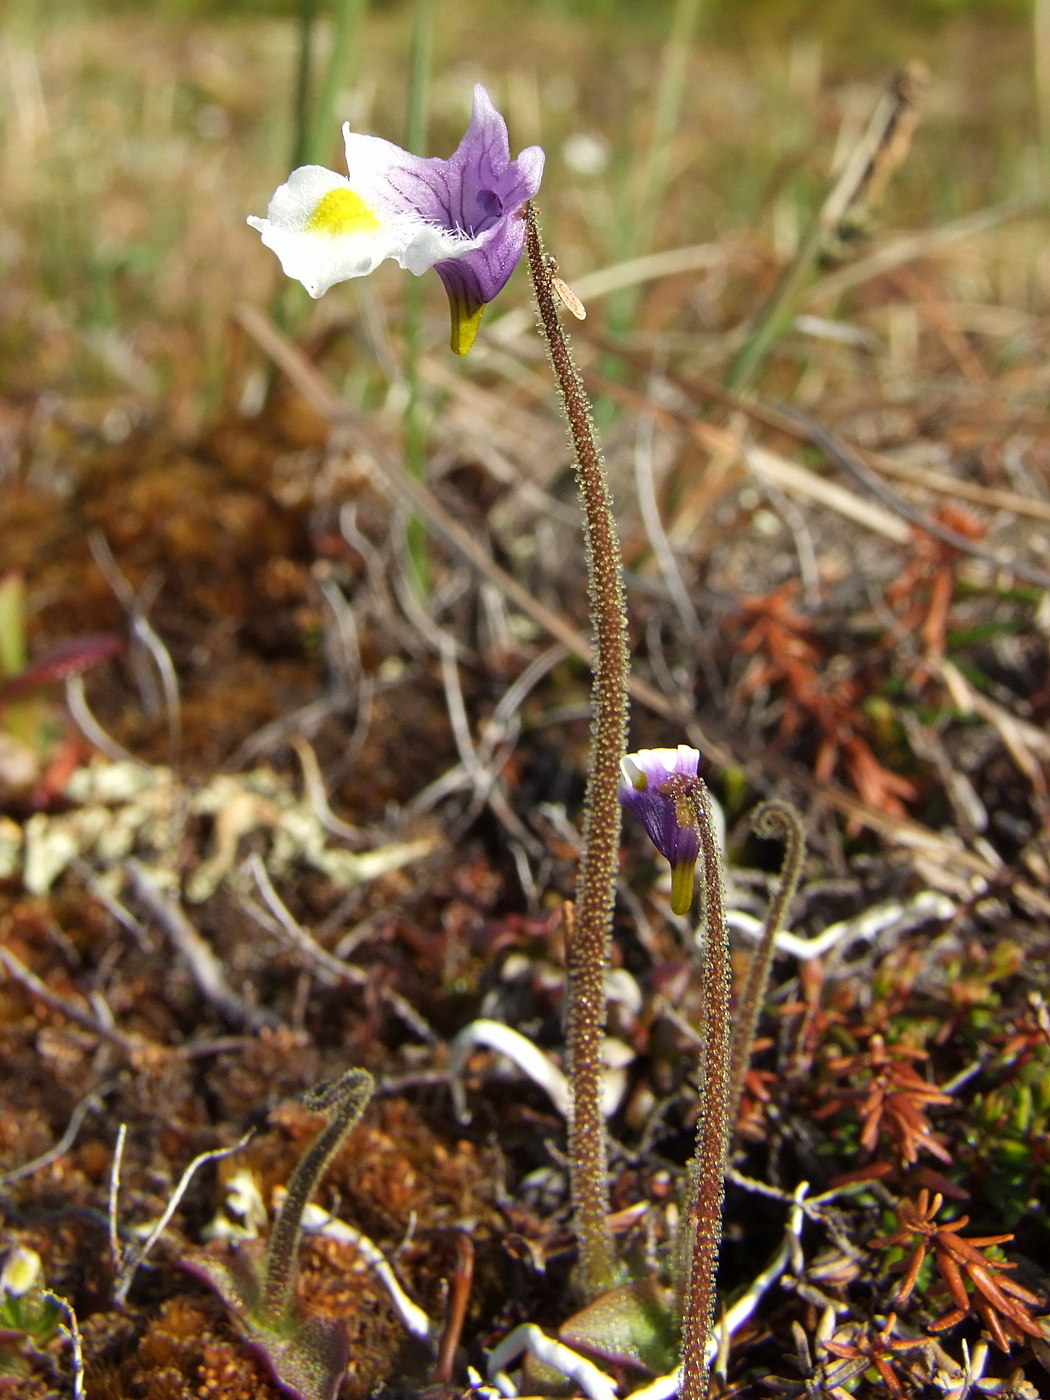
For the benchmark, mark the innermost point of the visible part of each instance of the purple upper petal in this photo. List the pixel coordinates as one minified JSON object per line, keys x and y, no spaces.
{"x":657,"y":813}
{"x":486,"y":182}
{"x":663,"y":774}
{"x":478,"y":184}
{"x":477,"y":194}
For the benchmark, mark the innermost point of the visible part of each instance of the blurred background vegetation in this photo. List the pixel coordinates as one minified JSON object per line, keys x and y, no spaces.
{"x":135,"y":138}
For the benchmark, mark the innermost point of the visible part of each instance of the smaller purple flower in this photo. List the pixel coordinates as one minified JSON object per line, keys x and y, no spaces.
{"x":463,"y":216}
{"x":655,"y":786}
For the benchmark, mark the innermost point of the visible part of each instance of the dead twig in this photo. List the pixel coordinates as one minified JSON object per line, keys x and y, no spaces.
{"x":143,"y":632}
{"x":881,"y":148}
{"x":89,"y":1102}
{"x":281,"y":923}
{"x":16,"y":969}
{"x":719,"y":746}
{"x":909,"y":248}
{"x":316,"y":959}
{"x":132,"y":1259}
{"x":76,"y":1342}
{"x":318,"y":798}
{"x":850,"y":462}
{"x":85,"y":721}
{"x":207,"y":970}
{"x":459,"y":1297}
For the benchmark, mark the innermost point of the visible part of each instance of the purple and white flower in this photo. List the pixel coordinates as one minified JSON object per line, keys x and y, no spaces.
{"x":655,"y":786}
{"x":464,"y":216}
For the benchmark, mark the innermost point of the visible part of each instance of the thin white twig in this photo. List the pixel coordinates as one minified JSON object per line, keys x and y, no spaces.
{"x":454,"y":780}
{"x":497,"y":616}
{"x":907,"y":248}
{"x":533,"y":1063}
{"x":900,"y":916}
{"x":513,"y":697}
{"x":480,"y":766}
{"x":76,"y":1343}
{"x":318,"y":959}
{"x":143,"y":632}
{"x":113,"y":1208}
{"x":207,"y":970}
{"x":526,"y":879}
{"x":138,"y":1255}
{"x":316,"y":795}
{"x":789,"y":512}
{"x":85,"y":721}
{"x":595,"y":1384}
{"x":429,"y":631}
{"x":124,"y":917}
{"x":457,"y":710}
{"x":606,"y":280}
{"x":529,"y":1058}
{"x":65,"y":1142}
{"x":18,"y":972}
{"x":654,"y":528}
{"x":380,"y":592}
{"x":319,"y":1222}
{"x":794,"y":478}
{"x":348,"y":662}
{"x":307,"y":719}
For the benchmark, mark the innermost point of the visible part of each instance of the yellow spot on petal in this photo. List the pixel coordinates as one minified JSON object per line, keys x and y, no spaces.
{"x":341,"y":211}
{"x":637,"y":777}
{"x":465,"y":323}
{"x":682,"y":886}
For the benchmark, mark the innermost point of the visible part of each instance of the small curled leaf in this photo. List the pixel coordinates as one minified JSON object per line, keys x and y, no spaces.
{"x":307,"y":1356}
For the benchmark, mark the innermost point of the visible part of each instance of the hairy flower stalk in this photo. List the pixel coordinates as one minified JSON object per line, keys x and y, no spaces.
{"x":587,"y":929}
{"x":663,"y":789}
{"x":712,"y":1133}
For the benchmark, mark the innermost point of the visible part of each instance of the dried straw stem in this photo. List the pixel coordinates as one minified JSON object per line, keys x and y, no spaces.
{"x":587,"y":934}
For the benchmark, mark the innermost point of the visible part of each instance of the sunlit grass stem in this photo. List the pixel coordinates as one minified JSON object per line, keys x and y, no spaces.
{"x":314,"y":117}
{"x":774,"y":818}
{"x":881,"y":148}
{"x":588,"y":925}
{"x":289,"y":303}
{"x":655,"y":169}
{"x":1041,"y":55}
{"x":303,"y":83}
{"x":647,"y":183}
{"x":414,"y":420}
{"x":340,"y":72}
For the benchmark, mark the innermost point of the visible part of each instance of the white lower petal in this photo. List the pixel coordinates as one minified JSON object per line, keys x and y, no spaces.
{"x":324,"y":232}
{"x":319,"y":260}
{"x":433,"y":245}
